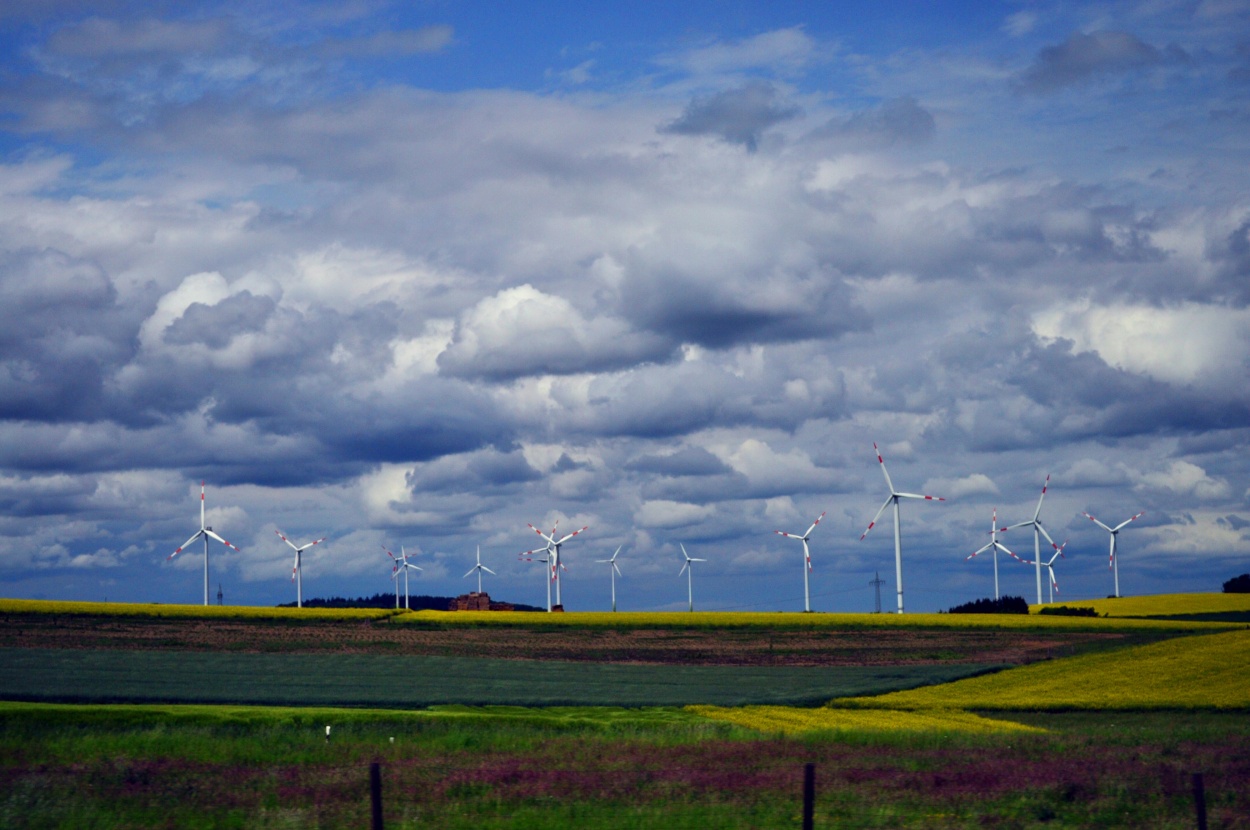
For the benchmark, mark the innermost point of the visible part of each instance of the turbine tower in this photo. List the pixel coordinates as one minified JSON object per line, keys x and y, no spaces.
{"x":611,"y":563}
{"x":1038,"y":532}
{"x":206,"y":532}
{"x":479,"y":567}
{"x":1050,"y":569}
{"x":688,"y":570}
{"x":898,"y":542}
{"x":994,"y":547}
{"x":553,"y":553}
{"x":807,"y":559}
{"x":401,"y":563}
{"x":1114,"y":564}
{"x":297,"y":572}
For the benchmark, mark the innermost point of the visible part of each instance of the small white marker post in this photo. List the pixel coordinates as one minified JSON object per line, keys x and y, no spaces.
{"x":327,"y":733}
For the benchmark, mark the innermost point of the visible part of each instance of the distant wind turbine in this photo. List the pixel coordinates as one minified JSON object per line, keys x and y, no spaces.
{"x":1050,"y":569}
{"x":206,"y":532}
{"x":553,"y":549}
{"x":1114,"y":564}
{"x":614,"y":570}
{"x":1038,"y":532}
{"x":401,"y":563}
{"x":898,"y":542}
{"x":688,"y":570}
{"x":479,"y":567}
{"x":297,"y":572}
{"x":994,"y":546}
{"x":807,"y":559}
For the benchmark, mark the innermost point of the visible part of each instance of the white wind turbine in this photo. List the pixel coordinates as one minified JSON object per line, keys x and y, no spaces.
{"x":479,"y":567}
{"x":1038,"y":532}
{"x":611,"y":563}
{"x":297,"y":572}
{"x":528,"y":556}
{"x":553,"y":554}
{"x":898,"y":542}
{"x":994,"y":546}
{"x":401,"y":563}
{"x":206,"y":532}
{"x":807,"y":559}
{"x":1050,"y":569}
{"x":1114,"y":564}
{"x":688,"y":570}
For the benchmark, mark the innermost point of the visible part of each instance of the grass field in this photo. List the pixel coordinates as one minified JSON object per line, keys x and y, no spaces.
{"x":210,"y":612}
{"x":1231,"y":607}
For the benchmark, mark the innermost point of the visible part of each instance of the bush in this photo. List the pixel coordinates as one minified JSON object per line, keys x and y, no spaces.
{"x":1238,"y":585}
{"x":1067,"y":611}
{"x":1006,"y":605}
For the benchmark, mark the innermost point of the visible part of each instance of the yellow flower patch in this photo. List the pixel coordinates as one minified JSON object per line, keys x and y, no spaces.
{"x":1163,"y":605}
{"x":792,"y":720}
{"x":1210,"y":671}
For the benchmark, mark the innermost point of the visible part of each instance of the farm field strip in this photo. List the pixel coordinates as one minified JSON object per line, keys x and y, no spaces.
{"x":791,"y":720}
{"x":1210,"y":671}
{"x":211,"y":612}
{"x":386,"y":681}
{"x":1163,"y":605}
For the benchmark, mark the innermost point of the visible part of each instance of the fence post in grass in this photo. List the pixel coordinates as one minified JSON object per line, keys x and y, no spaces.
{"x":375,"y":793}
{"x":1200,"y":801}
{"x":809,"y":794}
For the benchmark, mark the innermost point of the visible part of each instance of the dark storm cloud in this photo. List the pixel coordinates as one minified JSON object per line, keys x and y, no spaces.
{"x":1231,"y":255}
{"x":739,"y":116}
{"x":1083,"y":57}
{"x":687,"y":461}
{"x":896,"y":121}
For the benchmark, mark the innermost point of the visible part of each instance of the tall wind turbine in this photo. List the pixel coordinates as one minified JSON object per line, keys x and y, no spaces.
{"x":528,"y":556}
{"x":553,"y":548}
{"x":994,"y":546}
{"x":807,"y":559}
{"x":1114,"y":564}
{"x":401,"y":564}
{"x":1050,"y":569}
{"x":1038,"y":533}
{"x":898,"y":541}
{"x":688,"y":570}
{"x":206,"y":532}
{"x":297,"y":572}
{"x":611,"y":563}
{"x":479,"y":567}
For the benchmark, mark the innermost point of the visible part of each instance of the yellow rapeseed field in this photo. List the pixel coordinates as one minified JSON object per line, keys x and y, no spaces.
{"x":1163,"y":605}
{"x":1209,"y":671}
{"x":140,"y":609}
{"x":793,"y":620}
{"x":792,"y":720}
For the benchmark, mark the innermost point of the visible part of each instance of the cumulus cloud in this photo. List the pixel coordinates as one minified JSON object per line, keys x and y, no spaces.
{"x":977,"y":484}
{"x":738,"y":116}
{"x":658,"y":513}
{"x":1184,"y":478}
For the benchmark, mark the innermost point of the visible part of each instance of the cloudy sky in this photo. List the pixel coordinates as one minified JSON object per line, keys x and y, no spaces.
{"x":422,"y":273}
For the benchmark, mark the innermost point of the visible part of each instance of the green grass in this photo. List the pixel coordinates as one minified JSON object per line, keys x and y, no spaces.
{"x":412,"y":681}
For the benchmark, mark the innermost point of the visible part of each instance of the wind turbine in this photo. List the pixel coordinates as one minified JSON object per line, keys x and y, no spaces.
{"x":206,"y":532}
{"x":297,"y":572}
{"x":1038,"y":533}
{"x":807,"y":559}
{"x":614,"y":571}
{"x":479,"y":567}
{"x":528,"y":556}
{"x":1114,"y":564}
{"x":994,"y":547}
{"x":553,"y":554}
{"x":688,"y":570}
{"x":1050,"y":568}
{"x":401,"y":564}
{"x":898,"y":542}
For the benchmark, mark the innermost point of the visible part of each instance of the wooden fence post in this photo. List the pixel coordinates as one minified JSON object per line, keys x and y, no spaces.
{"x":375,"y":793}
{"x":1200,"y":801}
{"x":809,"y":794}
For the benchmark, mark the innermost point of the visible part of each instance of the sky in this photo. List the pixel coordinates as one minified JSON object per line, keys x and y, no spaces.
{"x":422,"y":274}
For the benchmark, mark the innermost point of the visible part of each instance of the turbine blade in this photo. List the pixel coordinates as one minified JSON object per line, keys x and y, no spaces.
{"x":1042,"y":528}
{"x":470,"y":573}
{"x":570,"y":536}
{"x":684,"y":565}
{"x":1123,"y":523}
{"x":1003,"y":548}
{"x":488,"y":570}
{"x":288,"y":541}
{"x":197,"y":535}
{"x":990,"y":546}
{"x":618,"y":550}
{"x":1018,"y":524}
{"x":919,"y":496}
{"x":219,"y":539}
{"x":813,"y":527}
{"x":873,"y":523}
{"x":884,"y":471}
{"x":787,"y":535}
{"x":1038,"y":511}
{"x":616,"y":568}
{"x":1100,"y":524}
{"x":544,"y":535}
{"x":388,"y":553}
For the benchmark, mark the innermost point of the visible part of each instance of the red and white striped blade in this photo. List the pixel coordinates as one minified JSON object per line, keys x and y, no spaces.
{"x":570,"y":536}
{"x":219,"y":539}
{"x":884,"y":471}
{"x":1126,"y":521}
{"x":184,"y":545}
{"x":873,"y":523}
